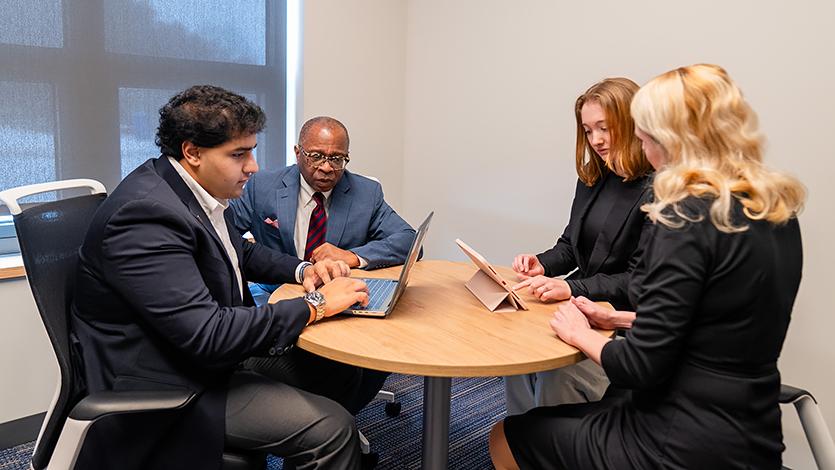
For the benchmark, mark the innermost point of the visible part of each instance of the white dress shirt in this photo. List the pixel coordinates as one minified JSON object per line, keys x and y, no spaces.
{"x":213,"y":207}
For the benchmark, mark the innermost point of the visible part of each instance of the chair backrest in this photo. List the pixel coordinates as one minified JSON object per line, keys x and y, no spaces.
{"x":50,"y":235}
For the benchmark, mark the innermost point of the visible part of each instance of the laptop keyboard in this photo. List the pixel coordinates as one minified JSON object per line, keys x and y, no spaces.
{"x":379,"y":291}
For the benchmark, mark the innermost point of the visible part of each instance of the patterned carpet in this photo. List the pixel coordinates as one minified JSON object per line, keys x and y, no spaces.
{"x":476,"y":405}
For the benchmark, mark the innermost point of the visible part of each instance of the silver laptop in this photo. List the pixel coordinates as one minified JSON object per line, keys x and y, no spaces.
{"x":383,"y":294}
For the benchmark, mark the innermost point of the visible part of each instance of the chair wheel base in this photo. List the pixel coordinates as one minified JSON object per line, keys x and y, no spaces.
{"x":393,"y":408}
{"x":370,"y":460}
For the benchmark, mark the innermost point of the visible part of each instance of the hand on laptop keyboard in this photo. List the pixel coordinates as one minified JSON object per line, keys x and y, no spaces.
{"x":343,"y":292}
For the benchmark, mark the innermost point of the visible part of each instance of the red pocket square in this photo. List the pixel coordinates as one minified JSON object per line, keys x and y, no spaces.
{"x":272,"y":222}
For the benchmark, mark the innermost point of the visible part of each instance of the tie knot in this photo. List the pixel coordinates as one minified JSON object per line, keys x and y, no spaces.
{"x":319,"y":198}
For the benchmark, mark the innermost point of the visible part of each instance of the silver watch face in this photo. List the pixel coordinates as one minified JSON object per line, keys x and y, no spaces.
{"x":315,"y":298}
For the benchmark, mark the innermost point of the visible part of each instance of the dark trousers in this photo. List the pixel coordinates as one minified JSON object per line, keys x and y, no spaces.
{"x":308,"y":430}
{"x":350,"y":386}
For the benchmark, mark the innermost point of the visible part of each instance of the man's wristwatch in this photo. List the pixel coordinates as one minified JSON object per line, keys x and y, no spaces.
{"x":317,"y":300}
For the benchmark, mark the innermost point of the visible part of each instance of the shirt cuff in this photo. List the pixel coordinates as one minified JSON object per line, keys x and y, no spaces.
{"x":300,"y":270}
{"x":363,"y":262}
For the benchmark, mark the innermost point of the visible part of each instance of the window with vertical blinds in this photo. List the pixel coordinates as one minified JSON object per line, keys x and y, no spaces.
{"x":81,"y":82}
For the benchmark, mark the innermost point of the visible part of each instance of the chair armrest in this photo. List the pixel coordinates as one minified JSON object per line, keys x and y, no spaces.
{"x":101,"y":404}
{"x":811,"y":418}
{"x":789,"y":394}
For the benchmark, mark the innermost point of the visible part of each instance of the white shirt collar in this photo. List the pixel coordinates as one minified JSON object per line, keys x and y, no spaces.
{"x":208,"y":202}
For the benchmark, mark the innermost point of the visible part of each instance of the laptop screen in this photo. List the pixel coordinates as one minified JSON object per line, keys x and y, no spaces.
{"x":412,"y":258}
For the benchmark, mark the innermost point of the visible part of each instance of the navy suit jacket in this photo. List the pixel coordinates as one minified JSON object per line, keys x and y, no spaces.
{"x":605,"y":274}
{"x":157,"y":306}
{"x":359,"y":219}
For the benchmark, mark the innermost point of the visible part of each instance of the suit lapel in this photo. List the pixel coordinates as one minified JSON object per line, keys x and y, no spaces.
{"x":340,"y":206}
{"x":170,"y":175}
{"x":175,"y":181}
{"x":576,"y":228}
{"x":287,"y":202}
{"x":630,"y":195}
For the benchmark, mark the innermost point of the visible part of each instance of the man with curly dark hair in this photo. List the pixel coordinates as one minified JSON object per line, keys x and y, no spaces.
{"x":161,"y":303}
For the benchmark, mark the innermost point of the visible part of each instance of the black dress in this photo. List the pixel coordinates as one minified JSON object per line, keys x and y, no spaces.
{"x":696,"y":376}
{"x":601,"y":239}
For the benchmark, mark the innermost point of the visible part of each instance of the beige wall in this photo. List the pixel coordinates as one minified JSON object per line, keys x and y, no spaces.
{"x":353,"y":69}
{"x":27,"y":365}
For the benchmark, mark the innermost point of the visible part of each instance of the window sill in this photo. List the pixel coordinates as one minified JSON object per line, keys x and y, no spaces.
{"x":11,"y":267}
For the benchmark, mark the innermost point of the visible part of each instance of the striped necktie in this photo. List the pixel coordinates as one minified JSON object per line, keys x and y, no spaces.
{"x":318,"y":226}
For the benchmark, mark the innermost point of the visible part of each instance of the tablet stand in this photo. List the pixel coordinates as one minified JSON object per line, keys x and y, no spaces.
{"x":488,"y":287}
{"x":494,"y":296}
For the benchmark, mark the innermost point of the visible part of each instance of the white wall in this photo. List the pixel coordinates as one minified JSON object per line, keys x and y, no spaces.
{"x":489,"y":132}
{"x":353,"y":70}
{"x":27,"y":365}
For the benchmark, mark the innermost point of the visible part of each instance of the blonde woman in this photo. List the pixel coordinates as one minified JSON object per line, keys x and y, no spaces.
{"x":600,"y":242}
{"x":695,"y":382}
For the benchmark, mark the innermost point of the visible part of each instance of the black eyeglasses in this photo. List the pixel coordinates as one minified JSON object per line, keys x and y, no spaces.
{"x":317,"y":159}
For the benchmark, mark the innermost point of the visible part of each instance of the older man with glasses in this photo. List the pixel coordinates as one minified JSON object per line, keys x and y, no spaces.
{"x":316,"y":210}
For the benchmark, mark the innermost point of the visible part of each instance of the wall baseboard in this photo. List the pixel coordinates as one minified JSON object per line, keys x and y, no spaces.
{"x":21,"y":430}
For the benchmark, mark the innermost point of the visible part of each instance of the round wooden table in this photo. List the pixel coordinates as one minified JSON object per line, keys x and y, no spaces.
{"x":439,"y":330}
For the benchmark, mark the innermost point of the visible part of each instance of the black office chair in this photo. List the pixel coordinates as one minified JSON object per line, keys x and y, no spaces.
{"x":817,"y":432}
{"x":50,"y":235}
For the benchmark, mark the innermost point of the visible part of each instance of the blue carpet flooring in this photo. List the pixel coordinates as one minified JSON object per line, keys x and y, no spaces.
{"x":476,"y":405}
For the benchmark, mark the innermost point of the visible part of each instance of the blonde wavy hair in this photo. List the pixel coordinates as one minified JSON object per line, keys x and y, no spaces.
{"x":626,"y":157}
{"x":713,"y":147}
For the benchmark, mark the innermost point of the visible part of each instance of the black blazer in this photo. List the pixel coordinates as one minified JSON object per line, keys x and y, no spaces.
{"x":602,"y":274}
{"x":156,"y":306}
{"x":701,"y":358}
